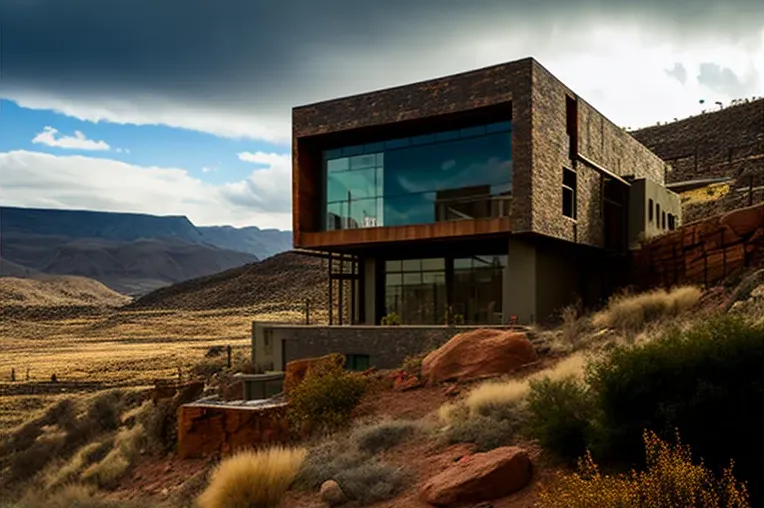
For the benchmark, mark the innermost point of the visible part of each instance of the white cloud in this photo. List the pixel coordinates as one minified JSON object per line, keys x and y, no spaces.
{"x":153,"y":111}
{"x":36,"y":179}
{"x":50,"y":137}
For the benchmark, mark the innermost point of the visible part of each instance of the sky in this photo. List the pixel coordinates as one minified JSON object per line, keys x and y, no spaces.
{"x":183,"y":108}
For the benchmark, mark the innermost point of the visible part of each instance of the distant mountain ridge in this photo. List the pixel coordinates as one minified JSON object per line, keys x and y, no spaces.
{"x":130,"y":252}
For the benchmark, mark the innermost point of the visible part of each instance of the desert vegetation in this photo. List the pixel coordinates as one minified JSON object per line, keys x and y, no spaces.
{"x":604,"y":408}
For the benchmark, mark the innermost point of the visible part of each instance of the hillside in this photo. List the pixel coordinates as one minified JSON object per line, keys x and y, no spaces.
{"x":724,"y":143}
{"x":262,"y":243}
{"x":284,"y":280}
{"x":131,"y":253}
{"x":57,"y":292}
{"x":131,"y":268}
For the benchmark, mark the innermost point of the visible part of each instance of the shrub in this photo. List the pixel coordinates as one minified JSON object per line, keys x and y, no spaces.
{"x":326,"y":397}
{"x":412,"y":364}
{"x":378,"y":437}
{"x":111,"y":468}
{"x":670,"y":479}
{"x":252,"y":479}
{"x":706,"y":380}
{"x":561,"y":411}
{"x":495,"y":426}
{"x":391,"y":319}
{"x":361,"y":477}
{"x":632,"y":312}
{"x":64,"y":473}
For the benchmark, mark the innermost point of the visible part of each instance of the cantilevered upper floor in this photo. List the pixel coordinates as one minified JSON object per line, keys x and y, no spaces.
{"x":504,"y":149}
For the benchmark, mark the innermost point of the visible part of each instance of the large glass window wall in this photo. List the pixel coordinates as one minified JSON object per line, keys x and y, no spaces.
{"x":452,"y":175}
{"x":417,"y":290}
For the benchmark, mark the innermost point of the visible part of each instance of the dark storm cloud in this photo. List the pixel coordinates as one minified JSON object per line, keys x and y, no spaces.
{"x":267,"y":55}
{"x":678,"y":72}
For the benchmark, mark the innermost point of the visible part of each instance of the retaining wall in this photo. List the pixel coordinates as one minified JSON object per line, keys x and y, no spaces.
{"x":216,"y":430}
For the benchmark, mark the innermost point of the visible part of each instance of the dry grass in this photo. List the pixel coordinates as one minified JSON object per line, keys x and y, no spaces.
{"x":118,"y":349}
{"x":504,"y":393}
{"x":671,"y":479}
{"x":54,"y":291}
{"x":253,"y":479}
{"x":62,"y":473}
{"x":632,"y":312}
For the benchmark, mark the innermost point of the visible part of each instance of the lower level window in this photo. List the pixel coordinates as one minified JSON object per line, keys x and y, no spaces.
{"x":357,"y":362}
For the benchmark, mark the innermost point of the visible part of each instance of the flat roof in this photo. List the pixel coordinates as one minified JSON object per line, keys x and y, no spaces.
{"x":487,"y":68}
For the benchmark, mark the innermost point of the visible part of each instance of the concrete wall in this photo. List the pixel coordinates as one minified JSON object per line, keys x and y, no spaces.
{"x":387,"y":346}
{"x":641,"y":194}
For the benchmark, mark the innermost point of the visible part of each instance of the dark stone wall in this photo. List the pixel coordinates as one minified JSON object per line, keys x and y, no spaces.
{"x":599,"y":140}
{"x":539,"y":142}
{"x":717,"y":144}
{"x":396,"y":109}
{"x":387,"y":346}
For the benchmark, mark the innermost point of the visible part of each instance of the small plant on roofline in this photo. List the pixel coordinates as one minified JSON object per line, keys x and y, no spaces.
{"x":392,"y":319}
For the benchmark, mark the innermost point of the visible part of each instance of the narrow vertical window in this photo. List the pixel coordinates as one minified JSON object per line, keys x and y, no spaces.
{"x":569,"y":193}
{"x":650,"y":206}
{"x":658,"y":216}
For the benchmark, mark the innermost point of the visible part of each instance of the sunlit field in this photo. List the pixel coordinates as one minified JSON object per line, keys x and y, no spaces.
{"x":115,"y":349}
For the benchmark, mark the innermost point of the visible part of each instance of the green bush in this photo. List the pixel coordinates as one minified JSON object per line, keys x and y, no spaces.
{"x":707,"y":382}
{"x":561,"y":412}
{"x":325,"y":399}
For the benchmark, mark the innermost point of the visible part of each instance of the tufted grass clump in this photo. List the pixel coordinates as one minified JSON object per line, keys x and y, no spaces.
{"x":253,"y":479}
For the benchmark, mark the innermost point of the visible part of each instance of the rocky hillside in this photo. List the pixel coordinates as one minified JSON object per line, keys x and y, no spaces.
{"x":724,"y":143}
{"x":283,"y":281}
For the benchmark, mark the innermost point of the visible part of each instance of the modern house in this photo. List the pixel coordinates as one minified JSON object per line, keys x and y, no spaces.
{"x":488,"y":197}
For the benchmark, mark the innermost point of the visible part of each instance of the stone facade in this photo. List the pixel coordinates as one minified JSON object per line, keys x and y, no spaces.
{"x":212,"y":430}
{"x":599,"y":141}
{"x":537,"y":102}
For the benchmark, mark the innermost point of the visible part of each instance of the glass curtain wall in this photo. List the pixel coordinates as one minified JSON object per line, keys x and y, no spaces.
{"x":452,"y":175}
{"x":478,"y":284}
{"x":416,"y":289}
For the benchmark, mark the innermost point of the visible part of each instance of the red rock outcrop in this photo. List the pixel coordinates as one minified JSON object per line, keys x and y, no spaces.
{"x":209,"y":431}
{"x":478,"y":354}
{"x":703,"y":252}
{"x":479,"y":477}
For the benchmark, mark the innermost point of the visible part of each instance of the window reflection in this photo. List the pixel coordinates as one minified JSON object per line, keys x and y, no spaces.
{"x":416,"y":290}
{"x":452,"y":175}
{"x":478,"y":288}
